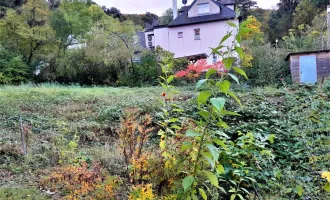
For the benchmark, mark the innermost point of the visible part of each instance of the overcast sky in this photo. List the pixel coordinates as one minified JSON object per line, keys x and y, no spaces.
{"x":159,"y":6}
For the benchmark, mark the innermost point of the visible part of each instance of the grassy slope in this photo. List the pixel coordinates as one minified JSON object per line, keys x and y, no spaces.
{"x":51,"y":110}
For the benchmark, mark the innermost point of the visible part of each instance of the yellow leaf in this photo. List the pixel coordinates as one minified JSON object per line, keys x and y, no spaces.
{"x":326,"y":175}
{"x":162,"y":144}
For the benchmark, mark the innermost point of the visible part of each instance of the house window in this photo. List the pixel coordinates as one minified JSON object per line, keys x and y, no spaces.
{"x":197,"y":34}
{"x":180,"y":34}
{"x":203,"y":8}
{"x":215,"y":58}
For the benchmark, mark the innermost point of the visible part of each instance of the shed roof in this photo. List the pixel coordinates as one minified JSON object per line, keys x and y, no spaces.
{"x":183,"y":19}
{"x":306,"y":52}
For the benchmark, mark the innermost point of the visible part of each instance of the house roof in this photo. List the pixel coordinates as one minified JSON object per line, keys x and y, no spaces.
{"x":184,"y":8}
{"x":306,"y":52}
{"x":183,"y":19}
{"x":196,"y":57}
{"x":226,"y":2}
{"x":142,"y":39}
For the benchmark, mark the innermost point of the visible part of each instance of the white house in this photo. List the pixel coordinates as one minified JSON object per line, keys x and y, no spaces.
{"x":195,"y":29}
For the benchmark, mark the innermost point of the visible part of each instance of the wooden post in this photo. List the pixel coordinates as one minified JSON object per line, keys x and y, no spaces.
{"x":22,"y":133}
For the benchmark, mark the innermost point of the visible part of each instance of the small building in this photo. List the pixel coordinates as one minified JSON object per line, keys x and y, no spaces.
{"x":195,"y":29}
{"x":310,"y":66}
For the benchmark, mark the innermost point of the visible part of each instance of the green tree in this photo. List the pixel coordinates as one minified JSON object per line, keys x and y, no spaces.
{"x":71,"y":22}
{"x":12,"y":68}
{"x":167,"y":17}
{"x":304,"y":14}
{"x":28,"y":33}
{"x":245,"y":6}
{"x":112,"y":41}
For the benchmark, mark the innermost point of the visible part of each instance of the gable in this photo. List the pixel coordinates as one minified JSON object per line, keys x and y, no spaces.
{"x":213,"y":8}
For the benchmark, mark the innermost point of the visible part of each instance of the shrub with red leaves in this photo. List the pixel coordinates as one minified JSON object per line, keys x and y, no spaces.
{"x":194,"y":70}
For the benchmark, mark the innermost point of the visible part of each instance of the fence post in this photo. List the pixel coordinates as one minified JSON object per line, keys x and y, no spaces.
{"x":22,"y":133}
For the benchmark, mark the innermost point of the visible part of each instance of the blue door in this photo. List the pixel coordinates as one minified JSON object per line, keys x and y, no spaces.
{"x":308,"y":72}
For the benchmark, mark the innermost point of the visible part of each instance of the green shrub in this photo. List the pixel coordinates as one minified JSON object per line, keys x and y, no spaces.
{"x":12,"y":68}
{"x":268,"y":65}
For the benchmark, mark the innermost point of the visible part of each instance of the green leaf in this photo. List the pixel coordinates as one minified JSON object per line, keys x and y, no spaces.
{"x":225,"y":86}
{"x":173,"y":120}
{"x":208,"y":158}
{"x":222,"y":124}
{"x":191,"y":133}
{"x":202,"y":193}
{"x":327,"y":187}
{"x":203,"y":96}
{"x":216,"y":50}
{"x":220,"y":169}
{"x":244,"y":31}
{"x":212,"y":178}
{"x":218,"y":103}
{"x":240,"y":196}
{"x":214,"y":151}
{"x":240,"y":52}
{"x":240,"y":71}
{"x":200,"y":83}
{"x":210,"y":72}
{"x":228,"y":62}
{"x":271,"y":138}
{"x":235,"y":97}
{"x":163,"y":85}
{"x":234,"y":77}
{"x":187,"y":182}
{"x":277,"y":173}
{"x":232,"y":24}
{"x":225,"y":38}
{"x":186,"y":145}
{"x":232,"y":197}
{"x":205,"y":114}
{"x":164,"y":70}
{"x":239,"y":38}
{"x":226,"y":112}
{"x":170,"y":79}
{"x":220,"y":143}
{"x":300,"y":190}
{"x":232,"y":190}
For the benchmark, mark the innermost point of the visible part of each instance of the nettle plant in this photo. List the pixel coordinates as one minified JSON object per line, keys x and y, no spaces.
{"x":208,"y":162}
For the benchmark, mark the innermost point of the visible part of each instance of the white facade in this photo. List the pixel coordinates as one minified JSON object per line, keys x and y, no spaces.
{"x":193,"y":39}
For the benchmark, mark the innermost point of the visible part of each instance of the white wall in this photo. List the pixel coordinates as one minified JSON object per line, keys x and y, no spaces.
{"x":211,"y":34}
{"x":162,"y":38}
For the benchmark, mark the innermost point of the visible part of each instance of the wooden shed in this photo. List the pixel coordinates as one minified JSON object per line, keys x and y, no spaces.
{"x":309,"y":67}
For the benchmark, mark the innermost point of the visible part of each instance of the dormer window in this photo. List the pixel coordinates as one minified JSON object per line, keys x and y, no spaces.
{"x":203,"y":8}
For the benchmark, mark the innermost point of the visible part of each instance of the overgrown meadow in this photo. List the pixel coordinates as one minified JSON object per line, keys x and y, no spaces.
{"x":219,"y":137}
{"x":65,"y":126}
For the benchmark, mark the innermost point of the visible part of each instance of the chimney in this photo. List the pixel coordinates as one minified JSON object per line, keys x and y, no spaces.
{"x":175,"y":9}
{"x":328,"y":17}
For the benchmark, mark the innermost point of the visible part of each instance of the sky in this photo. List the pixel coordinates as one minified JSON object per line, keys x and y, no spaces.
{"x":159,"y":6}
